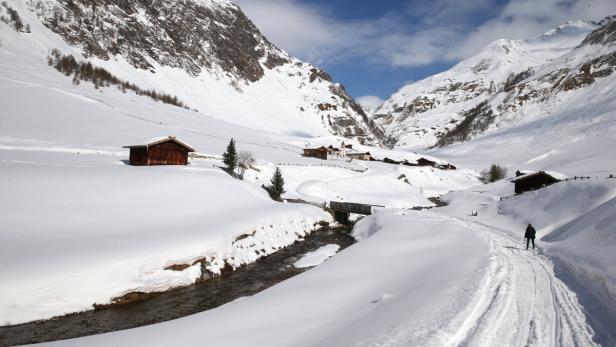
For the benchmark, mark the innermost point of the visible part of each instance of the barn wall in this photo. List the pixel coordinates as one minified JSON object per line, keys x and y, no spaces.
{"x":167,"y":153}
{"x":138,"y":156}
{"x":315,"y":153}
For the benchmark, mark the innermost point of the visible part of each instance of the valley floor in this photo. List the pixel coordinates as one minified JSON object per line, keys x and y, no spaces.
{"x":415,"y":278}
{"x":429,"y":278}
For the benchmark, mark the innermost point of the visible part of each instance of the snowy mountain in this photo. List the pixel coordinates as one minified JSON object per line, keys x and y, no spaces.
{"x":207,"y":54}
{"x":510,"y":82}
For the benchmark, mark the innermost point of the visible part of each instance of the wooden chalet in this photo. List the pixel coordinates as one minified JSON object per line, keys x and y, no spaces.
{"x":359,"y":155}
{"x":320,"y":152}
{"x":525,"y":182}
{"x":161,"y":151}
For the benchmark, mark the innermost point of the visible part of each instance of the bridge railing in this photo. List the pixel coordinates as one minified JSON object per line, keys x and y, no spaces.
{"x":321,"y":205}
{"x":351,"y":207}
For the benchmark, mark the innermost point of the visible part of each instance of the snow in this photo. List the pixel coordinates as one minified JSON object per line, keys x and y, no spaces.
{"x":74,"y":180}
{"x":585,"y":244}
{"x":470,"y":82}
{"x":104,"y":229}
{"x":573,"y":225}
{"x":317,"y":257}
{"x":574,"y":220}
{"x":164,"y":138}
{"x":79,"y":227}
{"x":526,"y":173}
{"x":376,"y":189}
{"x":385,"y":291}
{"x":371,"y":293}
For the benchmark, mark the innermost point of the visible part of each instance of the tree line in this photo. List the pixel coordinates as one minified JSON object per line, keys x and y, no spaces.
{"x":100,"y":77}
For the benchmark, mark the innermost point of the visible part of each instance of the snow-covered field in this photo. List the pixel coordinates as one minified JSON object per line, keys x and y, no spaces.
{"x":80,"y":227}
{"x":430,"y":278}
{"x":74,"y":205}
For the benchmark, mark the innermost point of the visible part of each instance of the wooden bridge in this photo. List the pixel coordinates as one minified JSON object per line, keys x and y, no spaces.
{"x":343,"y":209}
{"x":340,"y":210}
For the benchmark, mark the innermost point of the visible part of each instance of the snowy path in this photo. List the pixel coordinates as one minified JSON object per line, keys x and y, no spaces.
{"x":522,"y":303}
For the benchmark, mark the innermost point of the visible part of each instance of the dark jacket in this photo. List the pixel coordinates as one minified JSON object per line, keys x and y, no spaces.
{"x":530,"y":232}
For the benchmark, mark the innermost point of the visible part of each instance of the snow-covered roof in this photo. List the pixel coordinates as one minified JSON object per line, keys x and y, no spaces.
{"x":557,"y":175}
{"x":157,"y":140}
{"x":527,"y":174}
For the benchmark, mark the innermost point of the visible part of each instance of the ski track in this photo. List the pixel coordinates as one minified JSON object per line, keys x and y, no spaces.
{"x":521,"y":303}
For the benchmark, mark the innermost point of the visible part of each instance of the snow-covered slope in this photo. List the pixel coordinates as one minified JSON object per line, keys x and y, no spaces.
{"x":206,"y":53}
{"x":508,"y":83}
{"x":80,"y":227}
{"x":73,"y":215}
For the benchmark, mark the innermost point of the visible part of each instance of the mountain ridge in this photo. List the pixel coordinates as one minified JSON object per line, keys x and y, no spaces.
{"x":494,"y":88}
{"x":207,"y":53}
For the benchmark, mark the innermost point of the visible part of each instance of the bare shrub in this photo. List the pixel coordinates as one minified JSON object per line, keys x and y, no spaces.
{"x":495,"y":173}
{"x":100,"y":77}
{"x":245,"y":159}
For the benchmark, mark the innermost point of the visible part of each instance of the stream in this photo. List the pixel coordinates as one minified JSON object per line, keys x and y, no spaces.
{"x":245,"y":281}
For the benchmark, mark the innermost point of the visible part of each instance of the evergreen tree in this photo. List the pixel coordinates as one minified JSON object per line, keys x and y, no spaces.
{"x":277,"y":187}
{"x":230,"y":157}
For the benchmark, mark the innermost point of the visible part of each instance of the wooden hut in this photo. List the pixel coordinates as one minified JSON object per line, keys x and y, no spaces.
{"x":320,"y":152}
{"x":425,"y":162}
{"x":390,"y":161}
{"x":446,"y":167}
{"x":531,"y":181}
{"x":161,"y":151}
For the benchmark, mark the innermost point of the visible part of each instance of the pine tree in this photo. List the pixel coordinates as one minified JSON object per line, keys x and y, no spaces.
{"x":230,"y":157}
{"x":277,"y":187}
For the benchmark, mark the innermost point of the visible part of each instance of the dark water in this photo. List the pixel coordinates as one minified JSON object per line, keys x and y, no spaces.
{"x":181,"y":302}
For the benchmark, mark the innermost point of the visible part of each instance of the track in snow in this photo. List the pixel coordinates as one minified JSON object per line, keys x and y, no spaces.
{"x":521,"y":303}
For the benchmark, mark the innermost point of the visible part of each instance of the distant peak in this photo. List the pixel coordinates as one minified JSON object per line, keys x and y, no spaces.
{"x":573,"y":27}
{"x":604,"y":35}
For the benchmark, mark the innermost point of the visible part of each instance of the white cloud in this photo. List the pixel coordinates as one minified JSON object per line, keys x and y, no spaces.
{"x":369,"y":102}
{"x":527,"y":18}
{"x":425,"y":33}
{"x":308,"y":32}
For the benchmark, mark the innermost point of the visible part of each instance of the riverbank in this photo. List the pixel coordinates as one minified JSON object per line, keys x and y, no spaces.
{"x":176,"y":303}
{"x":73,"y":237}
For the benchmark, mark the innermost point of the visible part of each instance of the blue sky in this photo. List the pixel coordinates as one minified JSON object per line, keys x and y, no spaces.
{"x":375,"y":47}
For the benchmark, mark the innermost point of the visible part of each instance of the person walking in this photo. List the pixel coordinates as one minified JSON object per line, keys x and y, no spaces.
{"x":530,"y":235}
